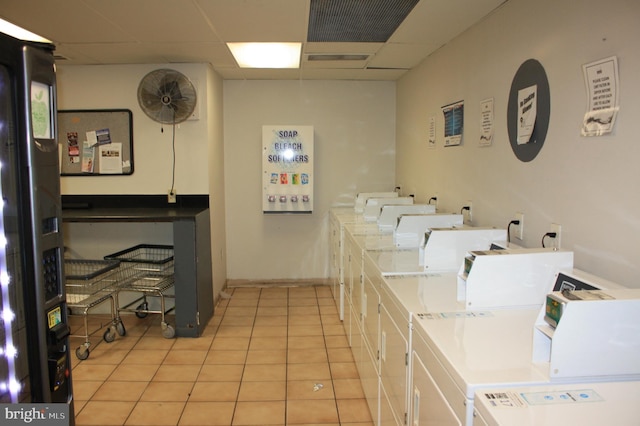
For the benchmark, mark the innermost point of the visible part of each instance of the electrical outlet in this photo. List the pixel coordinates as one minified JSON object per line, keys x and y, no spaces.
{"x":434,"y":200}
{"x":469,"y":212}
{"x":520,"y":227}
{"x":171,"y":196}
{"x":557,"y":229}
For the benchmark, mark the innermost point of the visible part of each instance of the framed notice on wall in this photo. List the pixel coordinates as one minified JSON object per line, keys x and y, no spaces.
{"x":287,"y":169}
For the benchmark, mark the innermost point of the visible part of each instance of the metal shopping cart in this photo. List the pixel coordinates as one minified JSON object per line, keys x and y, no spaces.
{"x":90,"y":283}
{"x":153,"y":266}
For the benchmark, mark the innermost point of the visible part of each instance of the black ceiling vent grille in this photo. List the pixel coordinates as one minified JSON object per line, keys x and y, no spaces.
{"x":372,"y":21}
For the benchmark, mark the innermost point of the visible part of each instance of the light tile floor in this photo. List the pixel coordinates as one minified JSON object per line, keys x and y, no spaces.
{"x":270,"y":356}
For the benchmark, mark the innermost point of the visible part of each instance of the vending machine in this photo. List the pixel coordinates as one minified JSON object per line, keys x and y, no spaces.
{"x":34,"y":351}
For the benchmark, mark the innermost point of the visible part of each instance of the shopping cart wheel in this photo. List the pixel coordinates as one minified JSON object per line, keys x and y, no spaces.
{"x":144,"y":306}
{"x":82,"y":352}
{"x":168,"y":332}
{"x":120,"y":328}
{"x":109,"y":335}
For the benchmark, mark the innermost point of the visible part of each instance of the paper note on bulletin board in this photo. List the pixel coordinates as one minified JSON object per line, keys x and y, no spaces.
{"x":95,"y":142}
{"x":287,"y":169}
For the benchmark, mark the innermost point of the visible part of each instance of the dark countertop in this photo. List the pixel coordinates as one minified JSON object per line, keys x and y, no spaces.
{"x":138,"y":214}
{"x":131,"y":208}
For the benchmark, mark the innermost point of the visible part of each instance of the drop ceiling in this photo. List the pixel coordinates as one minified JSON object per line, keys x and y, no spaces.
{"x":173,"y":31}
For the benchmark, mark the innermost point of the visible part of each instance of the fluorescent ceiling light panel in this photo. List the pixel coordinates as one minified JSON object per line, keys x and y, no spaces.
{"x":20,"y":33}
{"x":266,"y":55}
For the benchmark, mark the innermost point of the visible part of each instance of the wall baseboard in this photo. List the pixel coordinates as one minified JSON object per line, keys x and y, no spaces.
{"x":235,"y":283}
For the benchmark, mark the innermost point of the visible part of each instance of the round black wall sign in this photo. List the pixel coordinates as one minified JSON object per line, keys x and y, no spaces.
{"x":529,"y":74}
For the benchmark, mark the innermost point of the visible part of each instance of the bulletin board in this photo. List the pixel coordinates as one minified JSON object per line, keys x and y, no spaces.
{"x":95,"y":142}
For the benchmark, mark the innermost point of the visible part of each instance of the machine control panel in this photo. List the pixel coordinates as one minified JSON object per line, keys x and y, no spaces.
{"x":50,"y":271}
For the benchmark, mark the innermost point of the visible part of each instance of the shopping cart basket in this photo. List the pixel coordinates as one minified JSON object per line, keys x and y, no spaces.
{"x":90,"y":283}
{"x":153,"y":266}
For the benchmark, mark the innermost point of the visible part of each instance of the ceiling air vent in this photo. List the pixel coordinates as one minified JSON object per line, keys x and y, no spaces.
{"x":336,"y":57}
{"x":372,"y":21}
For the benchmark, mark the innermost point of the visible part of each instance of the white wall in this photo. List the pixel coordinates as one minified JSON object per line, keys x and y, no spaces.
{"x":588,"y":185}
{"x":199,"y":157}
{"x":116,"y":86}
{"x":354,"y":151}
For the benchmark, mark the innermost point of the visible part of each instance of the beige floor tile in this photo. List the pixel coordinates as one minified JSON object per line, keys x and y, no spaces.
{"x":340,"y":355}
{"x":333,"y":330}
{"x":168,"y":392}
{"x":234,"y":331}
{"x":245,"y":292}
{"x":262,"y":391}
{"x":245,"y":311}
{"x":146,"y":356}
{"x":215,"y":391}
{"x":87,"y":371}
{"x":177,"y":373}
{"x":305,"y":319}
{"x":264,"y":372}
{"x":302,"y":292}
{"x":241,"y":303}
{"x":270,"y":331}
{"x":306,"y":411}
{"x":309,"y":389}
{"x":326,"y":301}
{"x":303,"y":301}
{"x":348,"y":388}
{"x":272,"y":303}
{"x":303,"y":310}
{"x":272,"y":310}
{"x":230,"y":343}
{"x":226,"y":357}
{"x":305,"y":330}
{"x":207,"y":413}
{"x":274,"y":293}
{"x":180,"y":357}
{"x":353,"y":410}
{"x":306,"y":342}
{"x":297,"y":356}
{"x":221,"y":373}
{"x":268,"y":343}
{"x":155,"y":413}
{"x":77,"y":406}
{"x":308,"y":371}
{"x":105,"y":356}
{"x":270,"y":320}
{"x":332,"y":320}
{"x":123,"y":343}
{"x":231,"y":320}
{"x":104,"y":413}
{"x":344,"y":370}
{"x":84,"y":389}
{"x":188,"y":343}
{"x":119,"y":391}
{"x":336,"y":341}
{"x":324,"y":291}
{"x":148,"y":342}
{"x":134,"y":373}
{"x":278,"y":356}
{"x":259,"y":413}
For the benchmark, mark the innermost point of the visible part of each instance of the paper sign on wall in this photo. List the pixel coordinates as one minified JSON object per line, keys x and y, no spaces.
{"x":287,"y":169}
{"x":527,"y":110}
{"x":601,"y":79}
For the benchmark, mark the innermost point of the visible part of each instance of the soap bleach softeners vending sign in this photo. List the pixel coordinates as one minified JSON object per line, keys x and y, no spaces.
{"x":287,"y":169}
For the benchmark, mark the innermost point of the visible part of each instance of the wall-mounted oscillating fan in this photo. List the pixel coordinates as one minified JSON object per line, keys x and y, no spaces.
{"x":167,"y":96}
